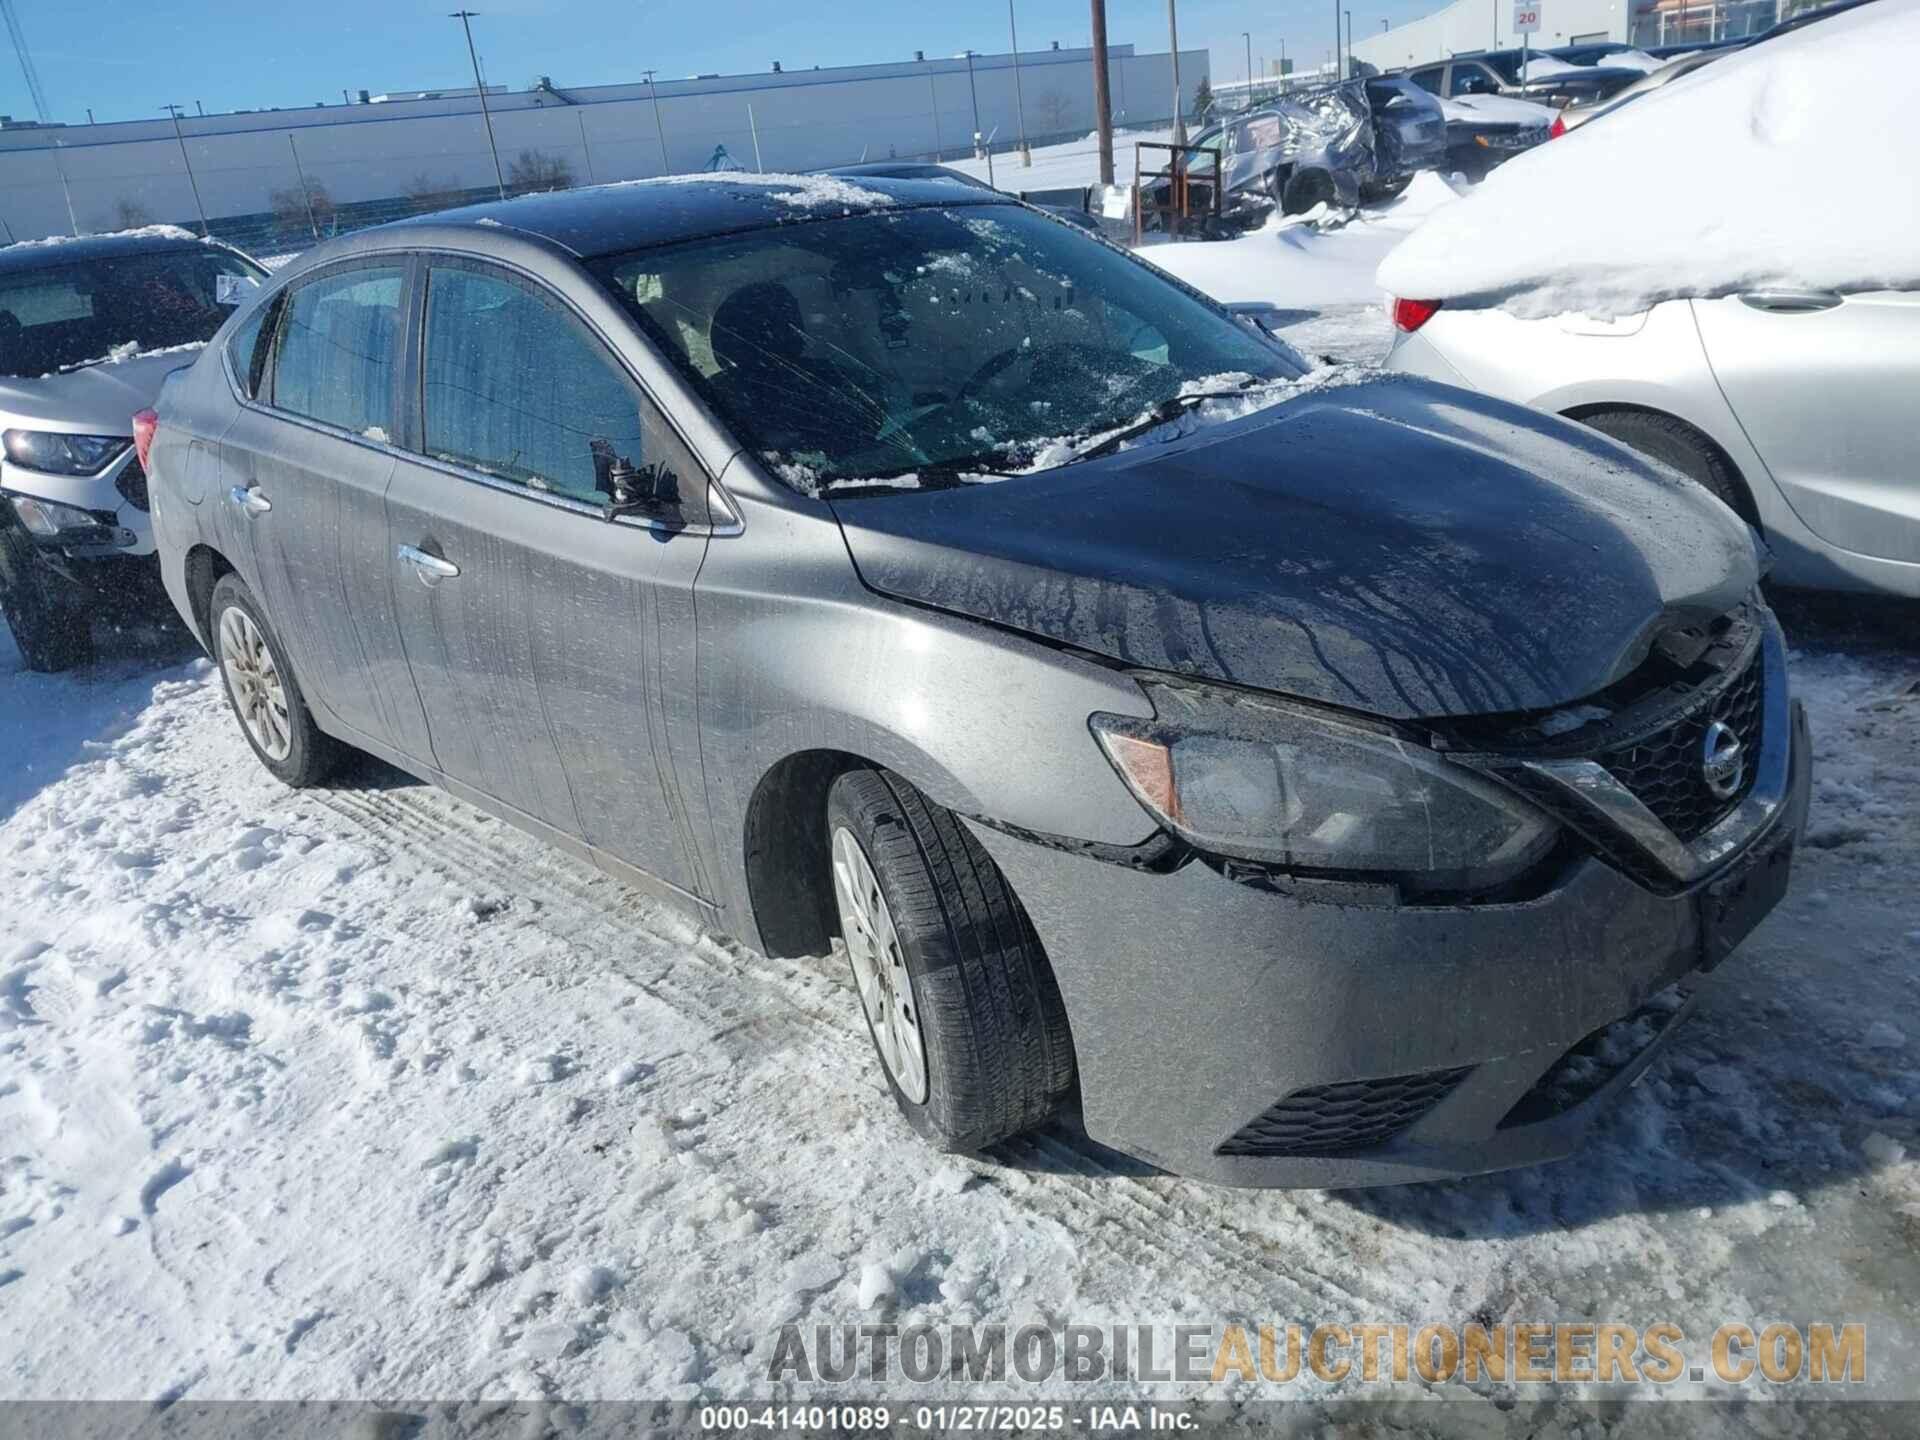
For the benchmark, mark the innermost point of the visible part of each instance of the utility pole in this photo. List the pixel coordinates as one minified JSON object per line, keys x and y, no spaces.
{"x":1336,"y":37}
{"x":1179,"y":110}
{"x":1247,"y":35}
{"x":1348,"y":75}
{"x":1019,"y":105}
{"x":1283,"y":64}
{"x":933,"y":100}
{"x":465,"y":17}
{"x":174,"y":111}
{"x":66,"y":190}
{"x":666,"y":165}
{"x":975,"y":93}
{"x":305,"y":194}
{"x":1102,"y":106}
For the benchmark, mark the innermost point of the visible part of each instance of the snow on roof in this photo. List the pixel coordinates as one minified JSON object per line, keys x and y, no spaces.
{"x":804,"y":192}
{"x":143,"y":232}
{"x":1774,"y":167}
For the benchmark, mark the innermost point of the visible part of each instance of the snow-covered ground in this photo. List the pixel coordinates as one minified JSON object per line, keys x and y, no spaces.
{"x":360,"y":1093}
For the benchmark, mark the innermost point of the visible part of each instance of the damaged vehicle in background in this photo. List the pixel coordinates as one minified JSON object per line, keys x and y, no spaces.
{"x":1344,"y":145}
{"x":89,"y":328}
{"x":895,"y":567}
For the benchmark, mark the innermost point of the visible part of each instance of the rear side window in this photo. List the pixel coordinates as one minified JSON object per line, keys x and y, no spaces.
{"x":1474,"y":80}
{"x":514,"y":387}
{"x":334,"y":349}
{"x":247,"y":350}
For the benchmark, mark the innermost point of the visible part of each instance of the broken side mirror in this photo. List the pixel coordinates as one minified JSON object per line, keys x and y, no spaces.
{"x":651,"y":490}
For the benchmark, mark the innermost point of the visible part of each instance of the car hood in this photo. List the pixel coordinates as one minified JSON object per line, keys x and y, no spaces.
{"x":1393,"y":547}
{"x":1496,"y":110}
{"x":97,"y":400}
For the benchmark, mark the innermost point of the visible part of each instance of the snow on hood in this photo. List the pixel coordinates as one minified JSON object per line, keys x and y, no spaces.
{"x":1496,"y":110}
{"x":1773,"y":167}
{"x":100,"y":397}
{"x":1632,"y":60}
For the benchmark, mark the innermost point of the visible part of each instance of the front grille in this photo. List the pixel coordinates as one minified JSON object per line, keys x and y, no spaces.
{"x":131,"y":482}
{"x":1586,"y":1069}
{"x":1342,"y":1118}
{"x":1665,"y":770}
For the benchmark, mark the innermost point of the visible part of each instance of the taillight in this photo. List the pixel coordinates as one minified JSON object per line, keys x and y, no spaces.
{"x":1558,"y":128}
{"x":1410,"y":315}
{"x":145,"y":424}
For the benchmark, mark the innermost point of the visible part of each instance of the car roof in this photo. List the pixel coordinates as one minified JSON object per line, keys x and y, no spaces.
{"x":638,"y":214}
{"x":61,"y":250}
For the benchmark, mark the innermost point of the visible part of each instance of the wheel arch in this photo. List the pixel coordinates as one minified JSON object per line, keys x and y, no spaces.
{"x":1746,"y":507}
{"x":204,"y":565}
{"x":784,"y":844}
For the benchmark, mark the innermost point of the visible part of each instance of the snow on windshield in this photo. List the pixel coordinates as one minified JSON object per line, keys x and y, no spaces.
{"x":802,"y":192}
{"x":1774,"y":167}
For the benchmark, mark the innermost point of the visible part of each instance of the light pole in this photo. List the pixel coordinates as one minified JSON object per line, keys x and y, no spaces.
{"x":974,"y":91}
{"x":465,"y":17}
{"x":1336,"y":37}
{"x":1348,"y":74}
{"x":1179,"y":109}
{"x":1019,"y":105}
{"x":174,"y":111}
{"x":1283,"y":65}
{"x":933,"y":95}
{"x":1247,"y":36}
{"x":1102,"y":102}
{"x":659,"y":130}
{"x":1383,"y":27}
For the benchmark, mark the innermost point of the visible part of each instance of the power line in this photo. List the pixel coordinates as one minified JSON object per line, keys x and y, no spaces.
{"x":26,"y":63}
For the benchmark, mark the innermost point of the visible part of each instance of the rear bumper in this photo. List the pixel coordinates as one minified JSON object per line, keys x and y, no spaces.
{"x":1202,"y":1008}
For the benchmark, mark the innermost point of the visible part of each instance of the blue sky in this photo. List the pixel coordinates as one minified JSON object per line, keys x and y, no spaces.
{"x":125,"y":58}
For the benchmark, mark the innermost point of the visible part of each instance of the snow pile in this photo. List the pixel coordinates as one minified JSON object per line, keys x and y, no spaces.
{"x":1776,"y":166}
{"x":1545,"y":67}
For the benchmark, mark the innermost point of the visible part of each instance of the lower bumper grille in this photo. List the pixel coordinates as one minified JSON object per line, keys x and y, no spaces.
{"x":1342,"y":1118}
{"x":1590,"y":1066}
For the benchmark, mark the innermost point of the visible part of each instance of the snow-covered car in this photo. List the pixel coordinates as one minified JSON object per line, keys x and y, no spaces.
{"x":89,"y":328}
{"x":1543,"y":80}
{"x":1719,"y":317}
{"x":1339,"y":145}
{"x":1484,"y":131}
{"x":1301,"y":763}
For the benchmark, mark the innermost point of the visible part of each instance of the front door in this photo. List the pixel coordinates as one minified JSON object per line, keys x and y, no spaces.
{"x":552,"y":646}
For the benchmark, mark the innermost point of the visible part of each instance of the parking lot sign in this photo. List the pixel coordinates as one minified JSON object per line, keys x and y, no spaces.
{"x":1526,"y":17}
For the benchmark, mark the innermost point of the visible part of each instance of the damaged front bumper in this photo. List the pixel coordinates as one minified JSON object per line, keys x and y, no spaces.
{"x":1246,"y":1037}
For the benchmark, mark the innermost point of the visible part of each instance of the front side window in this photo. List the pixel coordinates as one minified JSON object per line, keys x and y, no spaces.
{"x":916,"y":342}
{"x":335,"y":349}
{"x":515,"y":388}
{"x":68,"y":316}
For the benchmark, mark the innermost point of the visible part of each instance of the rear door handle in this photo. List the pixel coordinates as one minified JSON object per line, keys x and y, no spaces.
{"x":1790,"y":302}
{"x":250,"y":498}
{"x":431,"y":568}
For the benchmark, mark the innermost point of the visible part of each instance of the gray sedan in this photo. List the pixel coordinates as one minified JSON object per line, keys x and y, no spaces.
{"x":1309,"y":772}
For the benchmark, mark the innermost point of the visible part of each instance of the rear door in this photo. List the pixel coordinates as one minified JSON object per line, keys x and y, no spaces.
{"x":1825,"y":385}
{"x":303,"y":479}
{"x":548,"y":642}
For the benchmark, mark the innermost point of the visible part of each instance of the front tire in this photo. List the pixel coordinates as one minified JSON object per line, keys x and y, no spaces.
{"x":961,"y":1003}
{"x":261,"y":688}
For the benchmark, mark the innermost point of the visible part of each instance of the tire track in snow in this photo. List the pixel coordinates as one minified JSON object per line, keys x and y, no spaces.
{"x":1149,"y":1222}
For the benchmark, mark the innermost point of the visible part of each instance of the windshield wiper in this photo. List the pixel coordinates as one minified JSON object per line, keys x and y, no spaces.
{"x":1165,"y":412}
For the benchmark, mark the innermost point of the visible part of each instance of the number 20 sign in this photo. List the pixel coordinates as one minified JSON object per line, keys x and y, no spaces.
{"x":1526,"y":17}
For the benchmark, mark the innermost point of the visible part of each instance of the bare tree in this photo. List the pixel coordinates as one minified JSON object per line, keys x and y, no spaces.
{"x":1055,"y":111}
{"x":533,"y":170}
{"x":130,"y":214}
{"x":298,"y":216}
{"x":426,"y":193}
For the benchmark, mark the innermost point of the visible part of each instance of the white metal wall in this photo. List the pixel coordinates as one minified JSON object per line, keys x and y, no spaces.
{"x":1488,"y":25}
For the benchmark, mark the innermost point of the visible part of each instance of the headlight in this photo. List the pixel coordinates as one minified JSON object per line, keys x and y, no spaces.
{"x":1303,"y":789}
{"x":46,"y":519}
{"x":64,"y":454}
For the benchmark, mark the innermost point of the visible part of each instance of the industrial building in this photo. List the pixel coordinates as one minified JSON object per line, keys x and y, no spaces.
{"x":1468,"y":25}
{"x":257,"y":171}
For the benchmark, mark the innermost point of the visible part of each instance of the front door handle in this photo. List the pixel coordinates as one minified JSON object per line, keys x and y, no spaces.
{"x":1790,"y":302}
{"x":430,"y":568}
{"x":250,"y":498}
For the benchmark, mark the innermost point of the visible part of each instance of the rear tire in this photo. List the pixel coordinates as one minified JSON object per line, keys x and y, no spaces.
{"x":996,"y":1056}
{"x":1306,"y":189}
{"x":1676,"y":443}
{"x":51,"y":632}
{"x":263,"y":692}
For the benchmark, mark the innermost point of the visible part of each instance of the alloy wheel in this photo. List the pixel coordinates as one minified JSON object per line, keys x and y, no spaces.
{"x":258,"y":693}
{"x":879,"y":967}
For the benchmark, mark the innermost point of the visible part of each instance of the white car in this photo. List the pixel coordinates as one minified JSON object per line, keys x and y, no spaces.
{"x":1791,"y":406}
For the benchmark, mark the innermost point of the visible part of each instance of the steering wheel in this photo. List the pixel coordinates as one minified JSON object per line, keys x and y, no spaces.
{"x":1063,"y":356}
